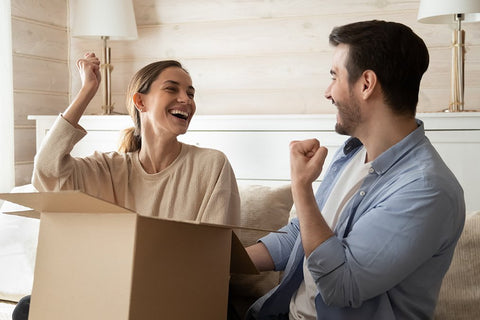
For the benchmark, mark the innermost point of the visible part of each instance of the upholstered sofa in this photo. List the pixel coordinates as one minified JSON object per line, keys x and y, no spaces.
{"x":262,"y":206}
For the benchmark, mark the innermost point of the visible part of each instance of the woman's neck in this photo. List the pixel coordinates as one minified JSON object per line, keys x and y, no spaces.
{"x":155,"y":157}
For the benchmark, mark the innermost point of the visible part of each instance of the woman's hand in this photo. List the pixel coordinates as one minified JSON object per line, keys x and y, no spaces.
{"x":89,"y":69}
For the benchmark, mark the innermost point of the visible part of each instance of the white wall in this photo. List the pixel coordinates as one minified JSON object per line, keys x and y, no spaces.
{"x":6,"y":106}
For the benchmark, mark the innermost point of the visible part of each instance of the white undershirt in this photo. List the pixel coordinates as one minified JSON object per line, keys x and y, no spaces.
{"x":302,"y":304}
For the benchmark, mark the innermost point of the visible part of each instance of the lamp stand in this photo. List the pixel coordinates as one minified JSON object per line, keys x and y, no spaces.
{"x":106,"y":68}
{"x":457,"y":81}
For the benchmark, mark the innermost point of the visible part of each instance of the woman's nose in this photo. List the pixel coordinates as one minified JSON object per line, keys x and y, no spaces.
{"x":184,"y":98}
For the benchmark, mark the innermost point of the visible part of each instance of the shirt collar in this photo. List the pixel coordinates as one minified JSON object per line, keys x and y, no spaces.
{"x":351,"y":144}
{"x":404,"y":146}
{"x":389,"y":157}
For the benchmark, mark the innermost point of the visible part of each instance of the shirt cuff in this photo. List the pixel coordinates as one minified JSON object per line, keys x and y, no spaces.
{"x":326,"y":258}
{"x":279,"y":256}
{"x":66,"y":123}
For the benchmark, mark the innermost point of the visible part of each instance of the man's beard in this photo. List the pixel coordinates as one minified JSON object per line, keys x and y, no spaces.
{"x":349,"y":115}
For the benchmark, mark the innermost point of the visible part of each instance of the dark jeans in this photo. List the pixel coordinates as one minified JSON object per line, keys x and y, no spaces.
{"x":21,"y":309}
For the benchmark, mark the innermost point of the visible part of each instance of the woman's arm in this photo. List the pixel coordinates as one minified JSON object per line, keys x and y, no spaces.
{"x":54,"y":168}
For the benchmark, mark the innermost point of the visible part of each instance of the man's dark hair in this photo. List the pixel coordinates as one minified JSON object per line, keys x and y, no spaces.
{"x":393,"y":51}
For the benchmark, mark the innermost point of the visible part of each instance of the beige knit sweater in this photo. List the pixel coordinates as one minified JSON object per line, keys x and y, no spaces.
{"x":199,"y":185}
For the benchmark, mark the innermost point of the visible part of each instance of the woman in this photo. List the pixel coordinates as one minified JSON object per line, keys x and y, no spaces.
{"x":153,"y":174}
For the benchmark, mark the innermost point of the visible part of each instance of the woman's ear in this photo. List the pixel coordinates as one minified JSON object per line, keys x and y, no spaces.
{"x":138,"y":102}
{"x":369,"y":83}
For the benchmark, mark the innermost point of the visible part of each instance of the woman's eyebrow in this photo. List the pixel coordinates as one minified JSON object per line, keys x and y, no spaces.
{"x":177,"y":83}
{"x":172,"y":82}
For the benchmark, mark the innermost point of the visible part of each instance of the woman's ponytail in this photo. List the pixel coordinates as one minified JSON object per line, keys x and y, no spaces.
{"x":129,"y":142}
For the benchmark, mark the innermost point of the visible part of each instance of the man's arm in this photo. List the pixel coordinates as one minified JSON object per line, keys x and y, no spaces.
{"x":306,"y":163}
{"x":307,"y":158}
{"x":260,"y":257}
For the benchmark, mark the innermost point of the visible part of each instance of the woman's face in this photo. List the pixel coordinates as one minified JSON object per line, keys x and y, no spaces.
{"x":168,"y":107}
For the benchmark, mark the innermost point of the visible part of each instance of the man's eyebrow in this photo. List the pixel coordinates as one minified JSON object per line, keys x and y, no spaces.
{"x":177,"y":83}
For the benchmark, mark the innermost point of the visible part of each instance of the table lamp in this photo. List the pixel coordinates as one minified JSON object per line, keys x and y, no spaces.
{"x":453,"y":12}
{"x":105,"y":20}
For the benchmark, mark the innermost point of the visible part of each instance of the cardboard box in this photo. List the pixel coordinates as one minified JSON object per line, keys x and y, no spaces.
{"x":96,"y":260}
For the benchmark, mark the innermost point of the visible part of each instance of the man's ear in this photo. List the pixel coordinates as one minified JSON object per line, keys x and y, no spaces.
{"x":138,"y":101}
{"x":369,"y":83}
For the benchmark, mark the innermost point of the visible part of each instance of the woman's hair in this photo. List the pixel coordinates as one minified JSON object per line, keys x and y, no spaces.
{"x":393,"y":51}
{"x":141,"y":82}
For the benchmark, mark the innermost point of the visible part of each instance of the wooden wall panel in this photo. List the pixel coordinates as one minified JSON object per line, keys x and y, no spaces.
{"x":269,"y":57}
{"x":51,"y":12}
{"x":23,"y":134}
{"x":36,"y":74}
{"x":40,"y":71}
{"x":36,"y":39}
{"x":275,"y":36}
{"x":32,"y":103}
{"x":149,"y":12}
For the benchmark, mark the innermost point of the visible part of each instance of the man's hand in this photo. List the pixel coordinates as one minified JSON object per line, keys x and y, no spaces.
{"x":306,"y":160}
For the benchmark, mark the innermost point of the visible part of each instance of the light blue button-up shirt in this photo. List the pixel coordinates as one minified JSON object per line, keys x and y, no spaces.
{"x":393,"y":243}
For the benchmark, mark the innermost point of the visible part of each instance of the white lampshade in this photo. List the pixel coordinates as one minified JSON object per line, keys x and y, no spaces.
{"x":114,"y":19}
{"x":454,"y":12}
{"x":442,"y":11}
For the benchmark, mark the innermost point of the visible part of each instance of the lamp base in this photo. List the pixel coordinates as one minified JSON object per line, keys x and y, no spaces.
{"x":107,"y":109}
{"x":459,"y":111}
{"x":106,"y":69}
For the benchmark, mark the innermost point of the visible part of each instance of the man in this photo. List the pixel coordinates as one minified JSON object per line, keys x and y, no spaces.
{"x":378,"y":236}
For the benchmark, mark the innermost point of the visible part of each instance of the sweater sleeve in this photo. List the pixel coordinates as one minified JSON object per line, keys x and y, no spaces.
{"x":55,"y":169}
{"x":223,"y":205}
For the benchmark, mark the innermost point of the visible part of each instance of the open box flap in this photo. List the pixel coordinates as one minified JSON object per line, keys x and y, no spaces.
{"x":18,"y":210}
{"x":62,"y":201}
{"x":240,"y":262}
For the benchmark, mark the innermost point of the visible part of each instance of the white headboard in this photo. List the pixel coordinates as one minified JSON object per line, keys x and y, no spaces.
{"x":257,"y":145}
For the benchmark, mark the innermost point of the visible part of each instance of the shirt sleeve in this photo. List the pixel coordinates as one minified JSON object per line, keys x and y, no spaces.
{"x":280,"y":245}
{"x":386,"y":245}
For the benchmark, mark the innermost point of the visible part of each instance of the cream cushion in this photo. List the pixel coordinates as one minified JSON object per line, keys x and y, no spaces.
{"x":263,"y":207}
{"x":459,"y":296}
{"x":266,"y":208}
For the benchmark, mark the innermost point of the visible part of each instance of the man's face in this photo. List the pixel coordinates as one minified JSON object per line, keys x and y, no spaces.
{"x":342,"y":94}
